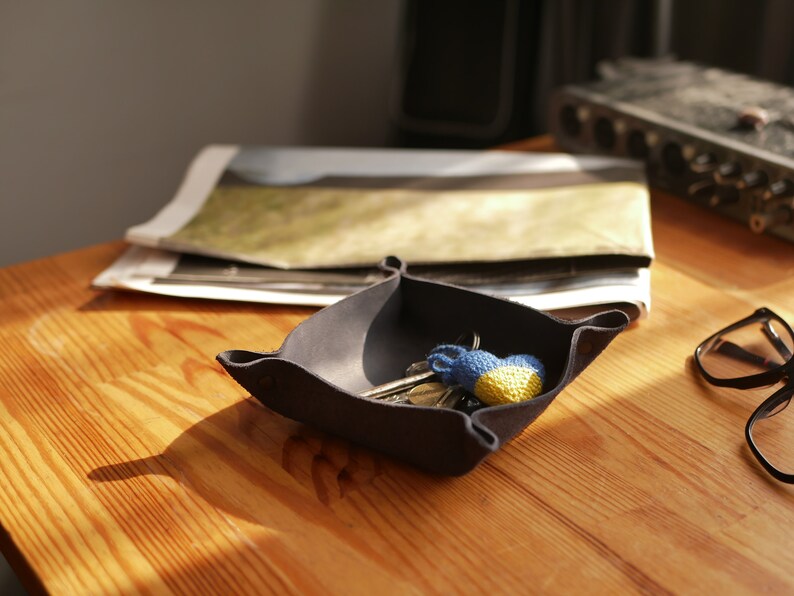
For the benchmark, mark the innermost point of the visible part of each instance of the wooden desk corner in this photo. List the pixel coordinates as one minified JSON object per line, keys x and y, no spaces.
{"x":130,"y":462}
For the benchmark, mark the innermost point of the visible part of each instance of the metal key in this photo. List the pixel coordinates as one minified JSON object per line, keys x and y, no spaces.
{"x":451,"y":398}
{"x":417,"y":368}
{"x":397,"y":386}
{"x":432,"y":394}
{"x":427,"y":394}
{"x":417,"y":373}
{"x":396,"y":398}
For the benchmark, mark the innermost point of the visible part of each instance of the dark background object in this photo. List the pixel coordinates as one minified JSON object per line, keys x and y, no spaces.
{"x":749,"y":37}
{"x":465,"y":71}
{"x":480,"y":73}
{"x":686,"y":122}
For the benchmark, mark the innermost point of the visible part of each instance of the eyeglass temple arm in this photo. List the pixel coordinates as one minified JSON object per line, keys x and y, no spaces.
{"x":776,"y":340}
{"x":732,"y":350}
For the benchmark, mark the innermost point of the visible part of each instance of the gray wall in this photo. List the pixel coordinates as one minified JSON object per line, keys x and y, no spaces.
{"x":103,"y":104}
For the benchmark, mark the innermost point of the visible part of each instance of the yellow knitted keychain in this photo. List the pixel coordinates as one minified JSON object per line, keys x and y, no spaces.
{"x":492,"y":380}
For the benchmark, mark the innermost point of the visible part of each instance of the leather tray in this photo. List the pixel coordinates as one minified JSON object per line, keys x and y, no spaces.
{"x":372,"y":336}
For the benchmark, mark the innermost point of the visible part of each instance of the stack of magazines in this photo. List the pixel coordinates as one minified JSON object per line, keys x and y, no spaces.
{"x":288,"y":225}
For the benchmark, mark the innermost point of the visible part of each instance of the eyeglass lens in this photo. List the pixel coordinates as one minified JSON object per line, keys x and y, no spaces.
{"x":758,"y":346}
{"x":773,"y":432}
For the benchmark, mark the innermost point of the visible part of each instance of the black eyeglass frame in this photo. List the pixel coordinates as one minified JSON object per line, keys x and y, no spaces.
{"x":768,"y":377}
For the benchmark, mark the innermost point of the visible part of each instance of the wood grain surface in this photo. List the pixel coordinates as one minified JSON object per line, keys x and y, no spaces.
{"x":130,"y":462}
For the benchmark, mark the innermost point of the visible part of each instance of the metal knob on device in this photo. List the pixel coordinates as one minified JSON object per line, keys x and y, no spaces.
{"x":777,"y":207}
{"x":728,"y":173}
{"x":724,"y":195}
{"x":780,"y":189}
{"x":752,"y":180}
{"x":766,"y":220}
{"x":702,"y":190}
{"x":703,"y":163}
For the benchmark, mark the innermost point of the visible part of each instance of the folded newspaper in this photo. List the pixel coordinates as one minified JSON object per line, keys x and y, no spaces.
{"x":309,"y":225}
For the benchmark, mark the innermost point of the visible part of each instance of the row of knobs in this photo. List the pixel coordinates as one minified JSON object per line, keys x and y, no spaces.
{"x":714,"y":183}
{"x":724,"y":183}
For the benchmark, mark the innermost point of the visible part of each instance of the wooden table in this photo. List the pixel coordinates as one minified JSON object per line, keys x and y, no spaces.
{"x":130,"y":462}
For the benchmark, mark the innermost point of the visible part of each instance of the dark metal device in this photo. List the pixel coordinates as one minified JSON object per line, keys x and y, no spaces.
{"x":717,"y":138}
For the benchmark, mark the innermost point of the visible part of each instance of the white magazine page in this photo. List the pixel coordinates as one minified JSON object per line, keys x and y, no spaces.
{"x":201,"y":177}
{"x":293,"y":225}
{"x":146,"y":270}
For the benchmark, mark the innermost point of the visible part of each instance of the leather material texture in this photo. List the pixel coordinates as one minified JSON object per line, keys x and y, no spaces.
{"x":371,"y":337}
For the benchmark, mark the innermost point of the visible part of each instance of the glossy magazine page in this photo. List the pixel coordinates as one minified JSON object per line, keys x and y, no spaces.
{"x":570,"y":295}
{"x":329,"y":208}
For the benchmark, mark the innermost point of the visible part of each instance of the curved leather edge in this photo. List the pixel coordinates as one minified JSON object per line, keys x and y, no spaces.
{"x":590,"y":337}
{"x":439,"y":441}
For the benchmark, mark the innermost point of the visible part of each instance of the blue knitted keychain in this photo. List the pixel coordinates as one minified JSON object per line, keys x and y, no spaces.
{"x":492,"y":380}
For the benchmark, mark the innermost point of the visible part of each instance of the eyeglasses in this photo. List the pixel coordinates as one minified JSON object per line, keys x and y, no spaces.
{"x":757,"y":352}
